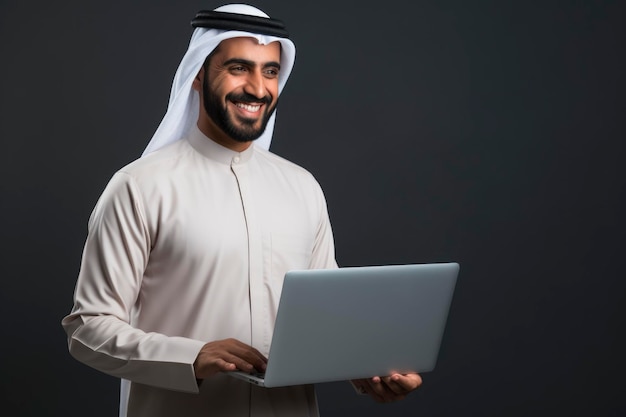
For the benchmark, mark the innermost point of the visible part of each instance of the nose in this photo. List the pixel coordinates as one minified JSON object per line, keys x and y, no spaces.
{"x":255,"y":84}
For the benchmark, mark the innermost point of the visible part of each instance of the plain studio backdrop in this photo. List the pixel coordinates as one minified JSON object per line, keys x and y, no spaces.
{"x":484,"y":132}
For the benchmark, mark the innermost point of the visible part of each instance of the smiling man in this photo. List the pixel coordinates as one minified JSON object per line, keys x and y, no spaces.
{"x":187,"y":246}
{"x":239,"y":91}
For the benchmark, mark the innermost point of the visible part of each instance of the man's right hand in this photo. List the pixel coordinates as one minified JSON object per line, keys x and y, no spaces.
{"x":227,"y":355}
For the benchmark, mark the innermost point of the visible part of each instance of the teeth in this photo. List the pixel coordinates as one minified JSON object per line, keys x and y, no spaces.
{"x":249,"y":107}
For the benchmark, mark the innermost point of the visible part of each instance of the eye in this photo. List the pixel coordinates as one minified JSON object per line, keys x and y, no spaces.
{"x":271,"y":72}
{"x":238,"y":69}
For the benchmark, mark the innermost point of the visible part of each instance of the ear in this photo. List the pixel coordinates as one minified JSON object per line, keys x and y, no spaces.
{"x":197,"y":82}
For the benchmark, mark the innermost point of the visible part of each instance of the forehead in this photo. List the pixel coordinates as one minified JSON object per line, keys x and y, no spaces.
{"x":249,"y":49}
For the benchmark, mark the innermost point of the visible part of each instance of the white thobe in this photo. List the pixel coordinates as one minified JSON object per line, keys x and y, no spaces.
{"x":188,"y":245}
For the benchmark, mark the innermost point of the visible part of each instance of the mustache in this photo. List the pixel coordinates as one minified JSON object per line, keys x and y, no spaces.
{"x":248,"y":98}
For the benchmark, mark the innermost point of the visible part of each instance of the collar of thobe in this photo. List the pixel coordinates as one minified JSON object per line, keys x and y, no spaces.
{"x":216,"y":152}
{"x":182,"y":111}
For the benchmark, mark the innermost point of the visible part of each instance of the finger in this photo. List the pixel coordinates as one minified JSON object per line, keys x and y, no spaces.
{"x":207,"y":369}
{"x":225,"y":366}
{"x":367,"y":388}
{"x":408,"y":382}
{"x":394,"y":386}
{"x":247,"y":352}
{"x":393,"y":391}
{"x":240,"y":364}
{"x":379,"y":390}
{"x":254,"y":358}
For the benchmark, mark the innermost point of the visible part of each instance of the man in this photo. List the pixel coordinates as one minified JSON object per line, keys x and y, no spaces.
{"x":182,"y":269}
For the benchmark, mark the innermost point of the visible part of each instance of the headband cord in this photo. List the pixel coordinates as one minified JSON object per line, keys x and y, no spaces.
{"x":234,"y":21}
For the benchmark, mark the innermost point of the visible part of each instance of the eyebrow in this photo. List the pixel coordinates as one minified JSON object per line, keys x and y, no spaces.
{"x":251,"y":63}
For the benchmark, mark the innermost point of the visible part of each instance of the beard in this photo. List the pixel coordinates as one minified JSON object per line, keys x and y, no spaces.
{"x":241,"y":129}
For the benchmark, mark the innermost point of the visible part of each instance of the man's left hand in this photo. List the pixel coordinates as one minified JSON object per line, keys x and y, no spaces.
{"x":389,"y":388}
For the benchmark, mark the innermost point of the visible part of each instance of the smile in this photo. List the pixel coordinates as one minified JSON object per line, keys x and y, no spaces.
{"x":249,"y":107}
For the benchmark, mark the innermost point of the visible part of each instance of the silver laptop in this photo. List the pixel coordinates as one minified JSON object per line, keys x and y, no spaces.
{"x":358,"y":322}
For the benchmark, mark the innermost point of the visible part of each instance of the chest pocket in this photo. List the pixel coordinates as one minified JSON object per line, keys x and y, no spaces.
{"x":287,"y":252}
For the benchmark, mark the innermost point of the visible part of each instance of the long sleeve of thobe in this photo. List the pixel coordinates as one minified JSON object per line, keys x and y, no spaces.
{"x":115,"y":256}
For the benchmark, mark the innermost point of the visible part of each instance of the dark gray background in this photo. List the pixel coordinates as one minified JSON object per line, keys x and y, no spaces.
{"x":489,"y":133}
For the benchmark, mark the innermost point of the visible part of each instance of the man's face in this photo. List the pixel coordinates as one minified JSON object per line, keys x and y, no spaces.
{"x":239,"y":90}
